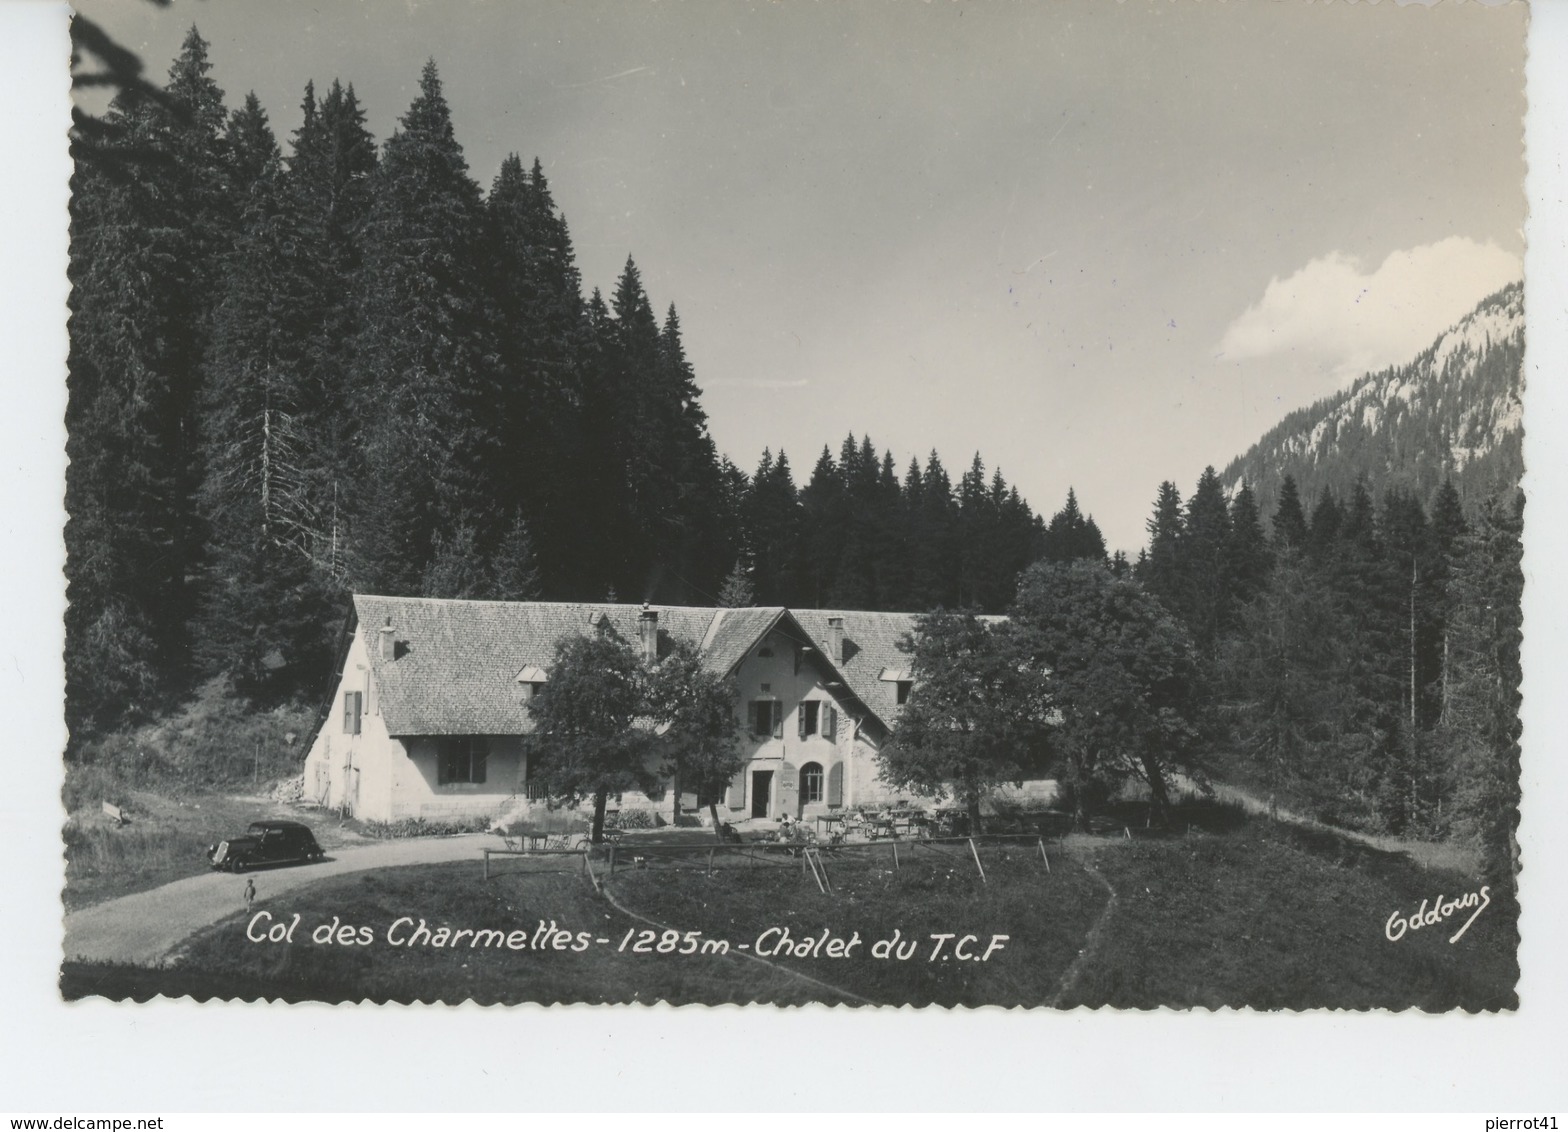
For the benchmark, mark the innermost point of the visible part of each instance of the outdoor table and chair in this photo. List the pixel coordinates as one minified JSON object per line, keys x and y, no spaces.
{"x":831,"y":824}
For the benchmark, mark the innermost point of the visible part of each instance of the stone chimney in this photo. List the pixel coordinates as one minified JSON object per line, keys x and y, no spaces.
{"x":836,"y":640}
{"x":648,"y":633}
{"x":388,"y":644}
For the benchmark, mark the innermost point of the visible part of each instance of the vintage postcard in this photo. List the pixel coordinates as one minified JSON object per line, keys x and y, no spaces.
{"x":775,"y":504}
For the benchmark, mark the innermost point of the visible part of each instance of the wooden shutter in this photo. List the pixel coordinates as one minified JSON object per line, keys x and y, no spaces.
{"x":835,"y":793}
{"x":753,"y":715}
{"x":778,"y":718}
{"x":800,"y":720}
{"x":736,"y":798}
{"x":351,"y":712}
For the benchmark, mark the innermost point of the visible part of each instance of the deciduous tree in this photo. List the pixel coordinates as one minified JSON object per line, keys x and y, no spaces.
{"x":697,"y":745}
{"x":1118,"y":673}
{"x":591,"y":738}
{"x":976,"y":718}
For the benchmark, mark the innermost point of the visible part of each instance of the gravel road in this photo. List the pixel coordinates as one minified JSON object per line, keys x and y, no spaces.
{"x":145,"y":927}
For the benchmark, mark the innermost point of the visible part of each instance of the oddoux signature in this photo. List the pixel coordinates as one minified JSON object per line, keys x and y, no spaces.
{"x":1424,"y":917}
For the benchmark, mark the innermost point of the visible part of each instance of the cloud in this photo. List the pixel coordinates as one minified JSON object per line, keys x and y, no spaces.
{"x":1347,"y":320}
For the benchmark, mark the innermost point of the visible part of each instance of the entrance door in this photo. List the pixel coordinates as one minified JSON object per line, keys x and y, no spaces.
{"x":761,"y":792}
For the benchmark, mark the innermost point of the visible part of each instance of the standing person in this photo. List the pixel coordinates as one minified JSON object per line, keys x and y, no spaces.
{"x":250,"y":892}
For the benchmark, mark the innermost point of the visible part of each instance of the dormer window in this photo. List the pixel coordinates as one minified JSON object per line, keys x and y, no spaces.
{"x":530,"y":680}
{"x":902,"y":680}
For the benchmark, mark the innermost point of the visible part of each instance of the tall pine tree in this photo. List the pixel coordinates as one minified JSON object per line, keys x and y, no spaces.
{"x":426,"y":361}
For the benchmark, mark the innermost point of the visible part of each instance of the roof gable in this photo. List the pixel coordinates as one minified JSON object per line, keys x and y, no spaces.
{"x":461,"y":667}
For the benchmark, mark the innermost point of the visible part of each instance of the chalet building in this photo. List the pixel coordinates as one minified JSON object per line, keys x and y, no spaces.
{"x":430,"y":719}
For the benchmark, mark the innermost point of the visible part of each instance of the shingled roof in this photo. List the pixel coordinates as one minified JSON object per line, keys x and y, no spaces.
{"x":457,"y":662}
{"x":871,"y":644}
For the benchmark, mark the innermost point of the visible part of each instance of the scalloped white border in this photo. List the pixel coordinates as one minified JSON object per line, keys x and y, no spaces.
{"x":99,"y":1057}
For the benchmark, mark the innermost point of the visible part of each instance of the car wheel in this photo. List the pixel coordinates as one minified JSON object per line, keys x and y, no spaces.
{"x":237,"y":865}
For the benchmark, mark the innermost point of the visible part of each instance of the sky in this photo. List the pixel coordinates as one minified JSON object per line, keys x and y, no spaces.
{"x":1103,"y":244}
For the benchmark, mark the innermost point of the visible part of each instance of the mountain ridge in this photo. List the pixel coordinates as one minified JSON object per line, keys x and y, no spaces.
{"x":1452,"y":412}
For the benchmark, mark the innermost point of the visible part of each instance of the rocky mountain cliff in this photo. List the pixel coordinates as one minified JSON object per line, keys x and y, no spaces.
{"x":1454,"y":411}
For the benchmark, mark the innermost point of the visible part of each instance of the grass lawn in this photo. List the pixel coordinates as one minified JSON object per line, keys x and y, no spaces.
{"x":934,"y":890}
{"x":1046,"y":916}
{"x":1277,"y":917}
{"x":1259,"y":915}
{"x":165,"y":840}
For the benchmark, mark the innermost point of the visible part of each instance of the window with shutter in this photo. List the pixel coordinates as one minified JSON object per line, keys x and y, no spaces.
{"x":835,"y":792}
{"x":353,"y":703}
{"x":767,"y":719}
{"x":735,"y":799}
{"x":808,"y":718}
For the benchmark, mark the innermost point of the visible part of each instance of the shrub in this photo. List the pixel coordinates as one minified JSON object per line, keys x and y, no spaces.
{"x":635,"y":819}
{"x":419,"y":827}
{"x":216,"y":740}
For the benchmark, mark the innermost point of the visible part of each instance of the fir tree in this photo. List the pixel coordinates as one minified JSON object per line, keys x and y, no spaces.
{"x":143,"y":264}
{"x":268,"y":579}
{"x":1161,"y":570}
{"x":1290,"y":523}
{"x":1293,"y":708}
{"x":456,"y":569}
{"x":824,"y":519}
{"x":1323,"y":529}
{"x":773,"y":530}
{"x":1481,"y":726}
{"x":537,"y":294}
{"x":1069,"y":535}
{"x":516,"y":570}
{"x":1205,"y":599}
{"x":938,"y":537}
{"x":1448,"y":527}
{"x":425,"y":355}
{"x":1248,"y":560}
{"x":737,"y":591}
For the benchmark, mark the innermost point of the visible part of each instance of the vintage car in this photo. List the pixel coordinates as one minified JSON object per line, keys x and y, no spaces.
{"x":266,"y":843}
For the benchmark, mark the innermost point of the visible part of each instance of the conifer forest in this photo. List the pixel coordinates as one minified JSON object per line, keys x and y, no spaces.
{"x":306,"y":367}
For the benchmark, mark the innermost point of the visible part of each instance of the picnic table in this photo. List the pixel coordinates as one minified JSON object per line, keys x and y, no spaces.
{"x":536,"y":837}
{"x":892,"y":823}
{"x":831,"y":822}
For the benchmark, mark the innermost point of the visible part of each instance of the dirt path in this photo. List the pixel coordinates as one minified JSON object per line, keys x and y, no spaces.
{"x":1091,"y":941}
{"x":146,"y":927}
{"x":1427,"y":854}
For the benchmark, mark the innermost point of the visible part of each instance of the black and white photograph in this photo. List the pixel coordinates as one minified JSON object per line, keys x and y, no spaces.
{"x":781,"y":504}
